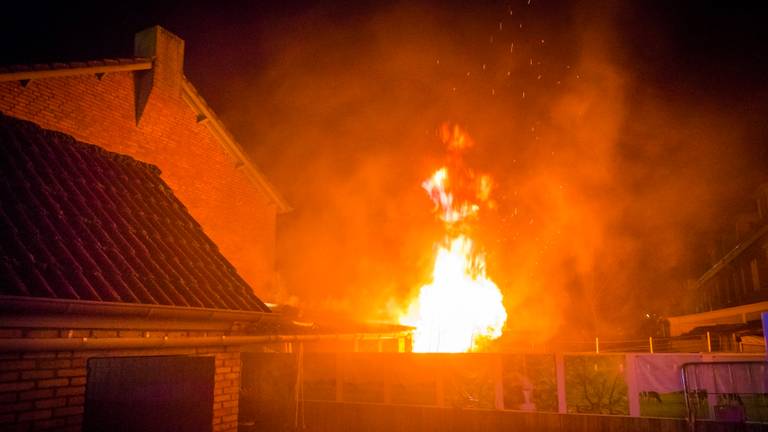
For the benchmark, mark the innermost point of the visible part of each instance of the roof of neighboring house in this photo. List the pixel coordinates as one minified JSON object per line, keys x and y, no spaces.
{"x":78,"y":222}
{"x":750,"y":327}
{"x":733,"y":253}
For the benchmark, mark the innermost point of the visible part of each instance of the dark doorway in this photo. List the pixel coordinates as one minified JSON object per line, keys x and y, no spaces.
{"x":173,"y":393}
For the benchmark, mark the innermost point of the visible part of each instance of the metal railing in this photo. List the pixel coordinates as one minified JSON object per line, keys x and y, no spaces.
{"x":729,"y":391}
{"x":680,"y":344}
{"x":705,"y":342}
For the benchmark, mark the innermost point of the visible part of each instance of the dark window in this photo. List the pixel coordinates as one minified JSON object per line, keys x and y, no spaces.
{"x":173,"y":393}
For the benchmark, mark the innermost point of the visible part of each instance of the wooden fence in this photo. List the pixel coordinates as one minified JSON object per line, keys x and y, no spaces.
{"x":638,"y":385}
{"x":353,"y":417}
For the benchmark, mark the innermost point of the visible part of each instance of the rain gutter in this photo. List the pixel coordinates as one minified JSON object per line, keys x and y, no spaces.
{"x":30,"y":312}
{"x":84,"y":343}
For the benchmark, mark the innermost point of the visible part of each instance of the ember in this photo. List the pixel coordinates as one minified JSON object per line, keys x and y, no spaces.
{"x":461,"y":307}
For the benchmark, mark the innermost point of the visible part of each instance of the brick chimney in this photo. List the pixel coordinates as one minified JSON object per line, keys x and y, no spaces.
{"x":167,"y":53}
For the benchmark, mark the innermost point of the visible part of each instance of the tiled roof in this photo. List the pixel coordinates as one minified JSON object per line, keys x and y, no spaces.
{"x":81,"y":223}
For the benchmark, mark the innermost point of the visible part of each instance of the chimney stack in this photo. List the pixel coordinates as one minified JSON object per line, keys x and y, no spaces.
{"x":167,"y":53}
{"x":166,"y":50}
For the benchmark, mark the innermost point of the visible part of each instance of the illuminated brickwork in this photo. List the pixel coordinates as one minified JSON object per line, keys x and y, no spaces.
{"x":46,"y":390}
{"x":238,"y":215}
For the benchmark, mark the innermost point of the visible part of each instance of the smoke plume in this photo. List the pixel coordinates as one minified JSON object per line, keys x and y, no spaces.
{"x":605,"y":181}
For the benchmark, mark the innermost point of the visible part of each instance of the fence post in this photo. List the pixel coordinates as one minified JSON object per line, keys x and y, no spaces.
{"x":709,"y":343}
{"x":597,"y":345}
{"x":439,"y":388}
{"x":560,"y":374}
{"x":630,"y":376}
{"x":339,"y":379}
{"x":764,"y":318}
{"x":650,"y":344}
{"x":388,"y":387}
{"x":498,"y":375}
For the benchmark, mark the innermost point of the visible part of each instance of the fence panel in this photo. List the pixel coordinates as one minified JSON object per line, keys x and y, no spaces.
{"x":727,"y":390}
{"x":596,"y":384}
{"x":658,"y":384}
{"x":643,"y":385}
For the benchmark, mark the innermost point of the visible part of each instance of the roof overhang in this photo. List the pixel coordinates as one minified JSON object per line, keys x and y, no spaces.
{"x":71,"y":69}
{"x":207,"y":116}
{"x":732,"y":315}
{"x":70,"y":314}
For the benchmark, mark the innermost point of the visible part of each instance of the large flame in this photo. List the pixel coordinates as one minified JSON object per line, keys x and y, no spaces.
{"x":461,"y":307}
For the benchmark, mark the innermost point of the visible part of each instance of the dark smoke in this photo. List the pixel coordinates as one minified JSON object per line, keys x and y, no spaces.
{"x":609,"y":174}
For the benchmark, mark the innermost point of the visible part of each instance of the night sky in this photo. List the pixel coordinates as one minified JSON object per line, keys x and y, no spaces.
{"x":622,"y":138}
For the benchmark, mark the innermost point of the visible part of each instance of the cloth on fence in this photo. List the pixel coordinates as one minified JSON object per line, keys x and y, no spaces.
{"x":726,"y":378}
{"x":661,"y":373}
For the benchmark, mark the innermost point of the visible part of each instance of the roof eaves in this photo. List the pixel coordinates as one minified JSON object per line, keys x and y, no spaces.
{"x":39,"y":71}
{"x":719,"y":313}
{"x":27,"y":305}
{"x":205,"y":113}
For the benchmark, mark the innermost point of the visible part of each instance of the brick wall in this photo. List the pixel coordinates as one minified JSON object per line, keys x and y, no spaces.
{"x":226,"y":391}
{"x":233,"y":211}
{"x":46,"y":390}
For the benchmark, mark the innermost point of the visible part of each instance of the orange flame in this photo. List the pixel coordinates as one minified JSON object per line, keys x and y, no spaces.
{"x":461,"y":307}
{"x":455,"y":137}
{"x":437,"y":190}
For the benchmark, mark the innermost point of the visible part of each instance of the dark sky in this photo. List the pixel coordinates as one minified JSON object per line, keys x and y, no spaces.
{"x":621,"y":137}
{"x":697,"y":46}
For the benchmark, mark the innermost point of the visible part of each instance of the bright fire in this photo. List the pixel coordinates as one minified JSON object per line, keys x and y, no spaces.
{"x":461,"y":307}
